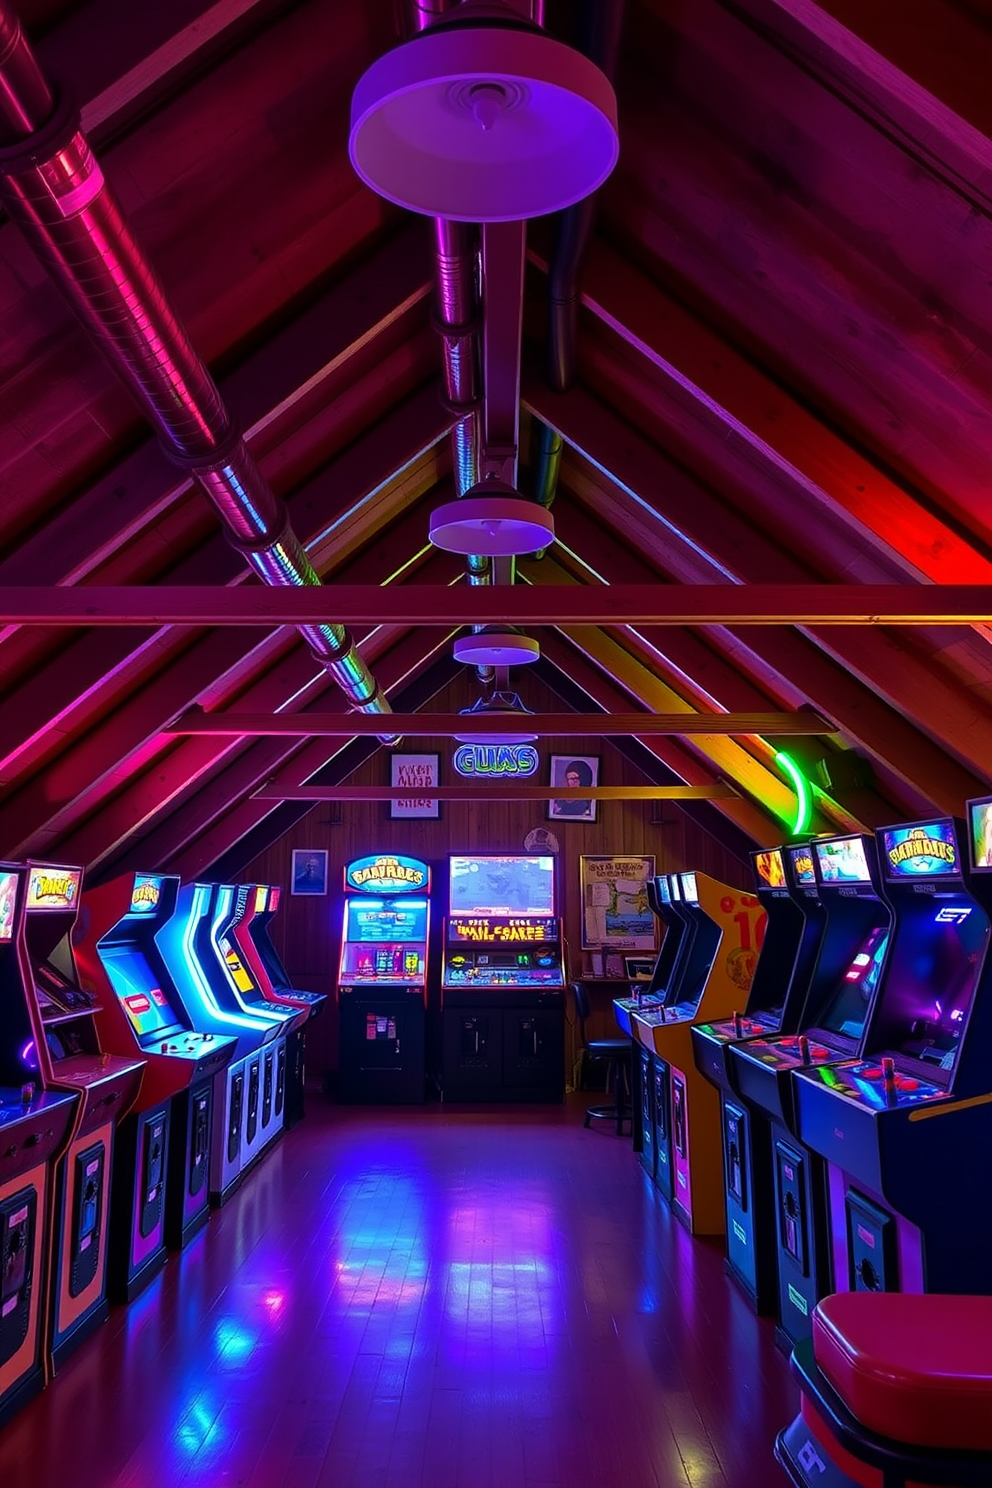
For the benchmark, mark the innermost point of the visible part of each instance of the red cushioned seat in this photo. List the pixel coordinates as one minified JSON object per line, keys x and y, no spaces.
{"x":917,"y":1369}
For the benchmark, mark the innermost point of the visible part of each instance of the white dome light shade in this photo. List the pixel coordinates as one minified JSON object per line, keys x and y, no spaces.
{"x":496,"y":648}
{"x":483,"y":125}
{"x":497,"y":526}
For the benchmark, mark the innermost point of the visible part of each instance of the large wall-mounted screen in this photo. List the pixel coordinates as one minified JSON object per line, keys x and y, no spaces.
{"x":502,"y":885}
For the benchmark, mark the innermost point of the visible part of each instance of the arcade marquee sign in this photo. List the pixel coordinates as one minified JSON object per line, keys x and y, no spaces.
{"x":387,"y":874}
{"x":920,"y":851}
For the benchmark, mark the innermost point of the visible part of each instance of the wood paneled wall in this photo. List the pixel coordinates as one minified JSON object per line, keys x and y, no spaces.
{"x":307,"y":929}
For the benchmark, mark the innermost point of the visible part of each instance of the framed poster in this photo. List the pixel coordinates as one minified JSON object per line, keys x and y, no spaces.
{"x":418,"y":771}
{"x":573,"y":770}
{"x":616,"y":915}
{"x":309,"y":871}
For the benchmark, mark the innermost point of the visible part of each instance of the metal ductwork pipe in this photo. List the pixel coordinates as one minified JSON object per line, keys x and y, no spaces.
{"x":599,"y":24}
{"x":456,"y":320}
{"x":53,"y":187}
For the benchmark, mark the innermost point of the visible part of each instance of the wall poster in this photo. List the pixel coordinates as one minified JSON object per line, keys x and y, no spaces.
{"x":616,"y":915}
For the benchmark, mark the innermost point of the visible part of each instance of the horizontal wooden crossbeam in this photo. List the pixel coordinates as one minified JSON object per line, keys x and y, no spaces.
{"x":545,"y":725}
{"x":521,"y":604}
{"x":496,"y":790}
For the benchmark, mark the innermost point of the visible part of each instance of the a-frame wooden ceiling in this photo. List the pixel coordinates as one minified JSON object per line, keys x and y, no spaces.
{"x":784,"y":376}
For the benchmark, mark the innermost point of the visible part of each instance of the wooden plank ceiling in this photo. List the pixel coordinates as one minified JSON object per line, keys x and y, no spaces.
{"x":784,"y":378}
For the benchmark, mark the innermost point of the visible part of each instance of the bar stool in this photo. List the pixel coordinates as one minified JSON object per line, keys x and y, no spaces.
{"x":616,"y":1054}
{"x":896,"y":1392}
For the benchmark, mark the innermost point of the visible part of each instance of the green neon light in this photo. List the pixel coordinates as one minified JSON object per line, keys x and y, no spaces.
{"x":804,"y":796}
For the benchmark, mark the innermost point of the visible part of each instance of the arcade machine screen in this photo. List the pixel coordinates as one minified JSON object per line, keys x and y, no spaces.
{"x":8,"y":898}
{"x":148,"y":1009}
{"x":802,"y":866}
{"x":847,"y":1007}
{"x":384,"y":942}
{"x":502,"y":885}
{"x":980,"y":829}
{"x":770,"y":868}
{"x":939,"y":952}
{"x":843,"y":861}
{"x":240,"y":975}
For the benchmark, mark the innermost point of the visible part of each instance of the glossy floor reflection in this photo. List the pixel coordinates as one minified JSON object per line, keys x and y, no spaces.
{"x":424,"y":1298}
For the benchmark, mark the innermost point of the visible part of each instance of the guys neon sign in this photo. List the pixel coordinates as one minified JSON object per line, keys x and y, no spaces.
{"x":485,"y":761}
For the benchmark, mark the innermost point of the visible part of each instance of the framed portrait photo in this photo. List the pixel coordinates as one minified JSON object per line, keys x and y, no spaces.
{"x":419,"y":772}
{"x":573,"y":770}
{"x":309,"y":871}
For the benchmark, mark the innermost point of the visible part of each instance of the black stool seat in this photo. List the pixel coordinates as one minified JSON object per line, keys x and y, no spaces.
{"x":617,"y":1055}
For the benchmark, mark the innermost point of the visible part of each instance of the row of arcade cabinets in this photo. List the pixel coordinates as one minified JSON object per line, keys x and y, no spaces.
{"x":126,"y":1017}
{"x":856,"y":1086}
{"x":711,"y":937}
{"x":502,"y":980}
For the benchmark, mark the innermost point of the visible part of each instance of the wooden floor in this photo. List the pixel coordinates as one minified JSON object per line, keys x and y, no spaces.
{"x":424,"y":1298}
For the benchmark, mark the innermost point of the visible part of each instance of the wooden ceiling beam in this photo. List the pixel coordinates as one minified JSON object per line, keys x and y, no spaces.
{"x":627,"y":482}
{"x":339,"y":510}
{"x":486,"y":790}
{"x":291,"y":369}
{"x":776,"y":427}
{"x":425,"y":604}
{"x":932,"y":57}
{"x":448,"y":725}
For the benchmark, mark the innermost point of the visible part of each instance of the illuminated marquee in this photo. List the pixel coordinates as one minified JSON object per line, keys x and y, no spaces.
{"x":53,"y":888}
{"x":917,"y":851}
{"x":387,"y":874}
{"x":496,"y":759}
{"x":486,"y":930}
{"x":146,"y":894}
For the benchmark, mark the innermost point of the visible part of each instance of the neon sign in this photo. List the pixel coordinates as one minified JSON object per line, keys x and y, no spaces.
{"x":387,"y":874}
{"x":487,"y":760}
{"x":920,"y":851}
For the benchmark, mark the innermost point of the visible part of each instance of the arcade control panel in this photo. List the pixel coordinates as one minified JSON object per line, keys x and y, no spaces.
{"x":538,"y":968}
{"x":790,"y":1051}
{"x":727,"y":1030}
{"x":876,"y":1083}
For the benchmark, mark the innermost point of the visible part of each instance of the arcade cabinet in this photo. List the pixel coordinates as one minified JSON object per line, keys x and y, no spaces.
{"x":382,"y":981}
{"x":194,"y":969}
{"x":845,"y":977}
{"x":502,"y":981}
{"x":237,"y":991}
{"x":161,"y":1165}
{"x":36,"y":1126}
{"x":713,"y":977}
{"x":255,"y":905}
{"x":650,"y":1075}
{"x":785,"y":882}
{"x":906,"y":1130}
{"x":70,"y":1057}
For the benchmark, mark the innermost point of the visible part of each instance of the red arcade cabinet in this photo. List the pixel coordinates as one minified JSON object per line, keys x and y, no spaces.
{"x":70,"y":1057}
{"x":36,"y":1126}
{"x":254,"y":905}
{"x":906,"y":1129}
{"x":152,"y":1206}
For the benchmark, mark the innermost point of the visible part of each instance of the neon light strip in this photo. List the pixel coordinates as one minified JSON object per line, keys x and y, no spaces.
{"x":804,"y":796}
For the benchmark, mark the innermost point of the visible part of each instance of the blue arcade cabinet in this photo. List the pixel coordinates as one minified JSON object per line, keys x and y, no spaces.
{"x":194,"y":968}
{"x":906,"y":1129}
